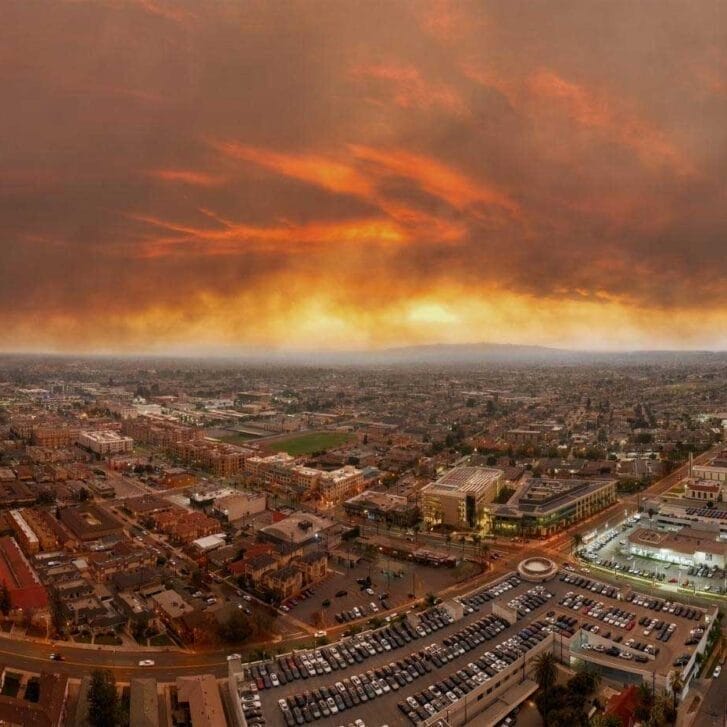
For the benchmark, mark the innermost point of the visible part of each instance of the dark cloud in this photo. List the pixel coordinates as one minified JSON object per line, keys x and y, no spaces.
{"x":167,"y":162}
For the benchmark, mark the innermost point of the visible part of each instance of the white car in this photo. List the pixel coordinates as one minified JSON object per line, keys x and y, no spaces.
{"x":232,"y":657}
{"x":717,"y":671}
{"x":146,"y":662}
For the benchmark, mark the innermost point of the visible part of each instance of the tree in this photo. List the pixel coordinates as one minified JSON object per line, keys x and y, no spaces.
{"x":430,"y":600}
{"x":103,"y":701}
{"x":584,"y":682}
{"x":577,"y":541}
{"x":545,"y":670}
{"x":676,"y":684}
{"x":237,"y":628}
{"x":605,"y":720}
{"x":5,"y":602}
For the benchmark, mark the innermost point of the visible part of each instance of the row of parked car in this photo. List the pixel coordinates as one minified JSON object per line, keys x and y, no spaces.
{"x":251,"y":705}
{"x":442,"y":694}
{"x":476,"y":633}
{"x":305,"y":664}
{"x":657,"y":604}
{"x":610,"y":615}
{"x":473,"y":601}
{"x":325,"y":701}
{"x":433,"y":619}
{"x":589,"y":585}
{"x":615,"y":651}
{"x":565,"y":625}
{"x":527,"y":602}
{"x":704,"y":571}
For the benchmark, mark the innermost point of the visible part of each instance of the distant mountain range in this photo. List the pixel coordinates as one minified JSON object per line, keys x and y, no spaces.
{"x":452,"y":354}
{"x":485,"y":353}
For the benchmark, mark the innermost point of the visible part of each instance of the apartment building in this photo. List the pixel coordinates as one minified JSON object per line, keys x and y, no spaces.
{"x":336,"y":486}
{"x":24,"y":534}
{"x":105,"y":442}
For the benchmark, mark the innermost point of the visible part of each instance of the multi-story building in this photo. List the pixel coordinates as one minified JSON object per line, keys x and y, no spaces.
{"x":340,"y":484}
{"x":544,"y":507}
{"x":383,"y":507}
{"x":240,"y":505}
{"x":24,"y":534}
{"x":460,"y":497}
{"x":105,"y":442}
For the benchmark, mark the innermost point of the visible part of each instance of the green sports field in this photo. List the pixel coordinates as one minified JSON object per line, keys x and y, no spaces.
{"x":300,"y":444}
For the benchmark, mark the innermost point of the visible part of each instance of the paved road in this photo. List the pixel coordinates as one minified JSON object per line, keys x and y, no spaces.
{"x":34,"y":655}
{"x":713,"y":711}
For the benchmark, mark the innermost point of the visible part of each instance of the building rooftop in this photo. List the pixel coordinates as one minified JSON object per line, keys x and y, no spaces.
{"x":686,"y":541}
{"x":462,"y":481}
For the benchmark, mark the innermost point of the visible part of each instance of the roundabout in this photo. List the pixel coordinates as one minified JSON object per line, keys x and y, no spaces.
{"x":537,"y":569}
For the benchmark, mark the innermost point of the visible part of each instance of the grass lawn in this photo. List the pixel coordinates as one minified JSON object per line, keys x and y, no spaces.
{"x":108,"y":640}
{"x":311,"y":442}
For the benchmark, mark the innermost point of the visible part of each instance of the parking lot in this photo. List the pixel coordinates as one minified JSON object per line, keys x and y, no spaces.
{"x":619,"y":620}
{"x":609,"y":550}
{"x":392,"y":579}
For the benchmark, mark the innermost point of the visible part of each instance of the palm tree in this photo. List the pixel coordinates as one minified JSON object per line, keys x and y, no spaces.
{"x":477,"y":542}
{"x":545,"y":670}
{"x":676,"y":684}
{"x":576,"y":542}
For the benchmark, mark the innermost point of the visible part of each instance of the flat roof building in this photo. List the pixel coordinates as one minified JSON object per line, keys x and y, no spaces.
{"x":202,"y":697}
{"x":687,"y":547}
{"x":460,"y":497}
{"x":105,"y":442}
{"x":544,"y":507}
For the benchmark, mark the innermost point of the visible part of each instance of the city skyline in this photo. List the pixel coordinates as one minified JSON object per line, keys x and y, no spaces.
{"x":225,"y":177}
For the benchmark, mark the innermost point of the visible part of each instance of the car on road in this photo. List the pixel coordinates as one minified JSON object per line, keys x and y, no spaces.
{"x":146,"y":662}
{"x":717,"y":671}
{"x":232,"y":657}
{"x":56,"y":657}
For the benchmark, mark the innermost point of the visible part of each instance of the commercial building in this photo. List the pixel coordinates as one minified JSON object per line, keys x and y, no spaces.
{"x":544,"y":507}
{"x":674,"y":516}
{"x":298,"y":531}
{"x":460,"y":497}
{"x":383,"y":507}
{"x":716,"y":470}
{"x":702,"y":490}
{"x":687,"y":547}
{"x":240,"y":505}
{"x":105,"y":442}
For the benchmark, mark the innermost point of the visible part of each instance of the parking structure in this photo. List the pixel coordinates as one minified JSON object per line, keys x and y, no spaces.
{"x":378,"y":675}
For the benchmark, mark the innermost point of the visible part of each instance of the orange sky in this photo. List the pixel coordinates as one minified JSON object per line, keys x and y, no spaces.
{"x":210,"y":176}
